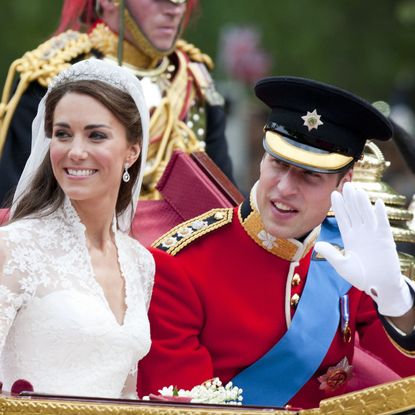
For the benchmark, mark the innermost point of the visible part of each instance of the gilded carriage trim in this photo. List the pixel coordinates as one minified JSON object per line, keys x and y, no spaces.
{"x":387,"y":399}
{"x":27,"y":406}
{"x":384,"y":399}
{"x":186,"y":232}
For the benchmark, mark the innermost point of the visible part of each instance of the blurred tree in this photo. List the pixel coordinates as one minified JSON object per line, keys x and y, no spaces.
{"x":23,"y":26}
{"x":361,"y":46}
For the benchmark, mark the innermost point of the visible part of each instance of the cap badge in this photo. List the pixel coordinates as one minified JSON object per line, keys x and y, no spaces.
{"x":312,"y":120}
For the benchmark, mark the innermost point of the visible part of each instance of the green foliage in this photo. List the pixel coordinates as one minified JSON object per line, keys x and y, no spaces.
{"x":364,"y":46}
{"x":24,"y":24}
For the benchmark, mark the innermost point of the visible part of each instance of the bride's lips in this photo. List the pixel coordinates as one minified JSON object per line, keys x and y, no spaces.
{"x":79,"y":172}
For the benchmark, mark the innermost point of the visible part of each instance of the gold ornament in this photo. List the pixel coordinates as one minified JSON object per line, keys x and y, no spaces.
{"x":368,"y":173}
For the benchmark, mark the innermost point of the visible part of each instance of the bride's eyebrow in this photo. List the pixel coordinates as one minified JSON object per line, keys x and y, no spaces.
{"x":87,"y":127}
{"x":92,"y":126}
{"x":61,"y":124}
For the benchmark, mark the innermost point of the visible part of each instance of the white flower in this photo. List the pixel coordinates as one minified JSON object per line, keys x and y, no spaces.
{"x":166,"y":391}
{"x":210,"y":391}
{"x":268,"y":240}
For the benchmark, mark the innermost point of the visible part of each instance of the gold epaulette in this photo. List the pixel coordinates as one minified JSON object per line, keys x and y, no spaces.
{"x":200,"y":67}
{"x":185,"y":233}
{"x":195,"y":54}
{"x":41,"y":65}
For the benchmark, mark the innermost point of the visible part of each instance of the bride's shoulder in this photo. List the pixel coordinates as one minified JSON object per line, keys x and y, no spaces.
{"x":21,"y":225}
{"x":22,"y":229}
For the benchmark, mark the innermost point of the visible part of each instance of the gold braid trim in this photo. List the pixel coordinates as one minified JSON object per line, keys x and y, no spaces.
{"x":167,"y":131}
{"x":407,"y":353}
{"x":41,"y":65}
{"x":176,"y":96}
{"x":195,"y":54}
{"x":185,"y":233}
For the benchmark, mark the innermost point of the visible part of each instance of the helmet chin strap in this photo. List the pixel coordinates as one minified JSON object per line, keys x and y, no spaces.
{"x":139,"y":39}
{"x":121,"y":8}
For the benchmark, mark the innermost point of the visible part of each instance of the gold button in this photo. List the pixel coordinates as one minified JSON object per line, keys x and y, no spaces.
{"x":294,"y":300}
{"x":296,"y":280}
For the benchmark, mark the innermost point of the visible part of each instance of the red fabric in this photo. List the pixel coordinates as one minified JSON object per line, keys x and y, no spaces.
{"x":218,"y":306}
{"x":187,"y":188}
{"x":391,"y":356}
{"x":152,"y":219}
{"x":73,"y":11}
{"x":4,"y":216}
{"x":368,"y":370}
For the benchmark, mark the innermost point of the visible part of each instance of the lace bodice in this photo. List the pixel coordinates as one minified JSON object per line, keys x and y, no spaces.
{"x":56,"y":327}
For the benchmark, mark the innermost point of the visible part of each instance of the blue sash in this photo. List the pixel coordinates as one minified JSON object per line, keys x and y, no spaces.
{"x":278,"y":375}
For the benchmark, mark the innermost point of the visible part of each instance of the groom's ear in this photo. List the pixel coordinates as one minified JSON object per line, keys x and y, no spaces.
{"x":344,"y":178}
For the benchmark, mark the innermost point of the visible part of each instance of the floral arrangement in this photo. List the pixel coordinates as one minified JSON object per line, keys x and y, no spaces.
{"x":212,"y":391}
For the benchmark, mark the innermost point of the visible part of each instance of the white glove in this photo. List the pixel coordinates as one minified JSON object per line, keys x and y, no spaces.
{"x":370,"y":261}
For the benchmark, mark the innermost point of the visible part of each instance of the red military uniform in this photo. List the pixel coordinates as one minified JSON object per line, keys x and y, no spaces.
{"x":225,"y":294}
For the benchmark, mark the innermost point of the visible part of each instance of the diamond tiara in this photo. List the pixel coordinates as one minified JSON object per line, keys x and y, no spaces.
{"x":94,"y":70}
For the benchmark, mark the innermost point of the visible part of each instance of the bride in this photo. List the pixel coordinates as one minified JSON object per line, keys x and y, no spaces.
{"x":74,"y":286}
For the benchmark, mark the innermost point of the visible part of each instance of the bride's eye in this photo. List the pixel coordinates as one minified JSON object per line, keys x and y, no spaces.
{"x":61,"y":134}
{"x":97,"y":135}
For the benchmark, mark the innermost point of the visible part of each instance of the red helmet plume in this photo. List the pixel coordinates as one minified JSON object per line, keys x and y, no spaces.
{"x":75,"y":12}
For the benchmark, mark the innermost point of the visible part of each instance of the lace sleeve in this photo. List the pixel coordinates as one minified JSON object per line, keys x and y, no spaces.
{"x":10,"y":295}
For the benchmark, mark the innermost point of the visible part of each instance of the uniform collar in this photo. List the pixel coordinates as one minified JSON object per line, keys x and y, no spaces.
{"x":288,"y":249}
{"x":105,"y":41}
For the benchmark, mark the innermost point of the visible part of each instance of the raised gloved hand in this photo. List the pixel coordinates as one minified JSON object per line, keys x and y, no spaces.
{"x":370,"y":261}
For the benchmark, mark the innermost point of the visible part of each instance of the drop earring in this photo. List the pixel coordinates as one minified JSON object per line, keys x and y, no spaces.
{"x":126,"y":175}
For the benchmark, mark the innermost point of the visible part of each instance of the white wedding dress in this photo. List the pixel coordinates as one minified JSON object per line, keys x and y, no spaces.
{"x":56,"y":327}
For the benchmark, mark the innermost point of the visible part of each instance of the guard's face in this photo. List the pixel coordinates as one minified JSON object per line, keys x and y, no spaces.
{"x":293,"y":201}
{"x":88,"y":150}
{"x":158,"y":19}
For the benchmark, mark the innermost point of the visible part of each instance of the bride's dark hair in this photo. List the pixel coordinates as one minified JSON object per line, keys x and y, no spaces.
{"x":44,"y":195}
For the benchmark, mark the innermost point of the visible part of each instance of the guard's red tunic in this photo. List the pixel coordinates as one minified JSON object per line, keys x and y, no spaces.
{"x":221,"y":303}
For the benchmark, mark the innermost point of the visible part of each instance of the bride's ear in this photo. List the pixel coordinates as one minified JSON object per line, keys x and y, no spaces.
{"x":133,"y":154}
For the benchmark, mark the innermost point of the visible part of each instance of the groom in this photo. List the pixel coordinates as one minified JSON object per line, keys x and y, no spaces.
{"x":271,"y":294}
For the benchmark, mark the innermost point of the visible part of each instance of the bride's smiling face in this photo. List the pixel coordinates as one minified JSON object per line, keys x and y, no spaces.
{"x":89,"y":148}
